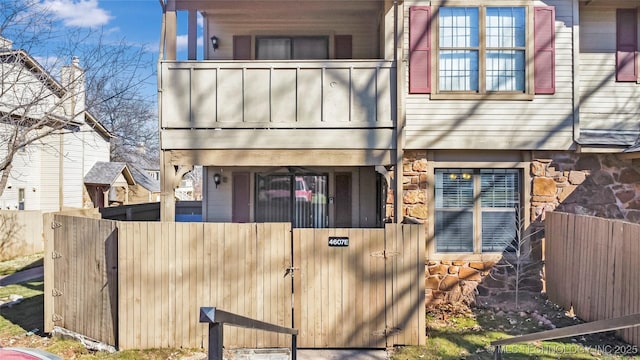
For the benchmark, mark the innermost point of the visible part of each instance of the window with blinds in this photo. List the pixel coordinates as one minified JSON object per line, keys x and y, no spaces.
{"x":477,"y":210}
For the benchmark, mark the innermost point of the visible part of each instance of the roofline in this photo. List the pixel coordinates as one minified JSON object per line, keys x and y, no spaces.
{"x":34,"y":66}
{"x":56,"y":87}
{"x":97,"y":125}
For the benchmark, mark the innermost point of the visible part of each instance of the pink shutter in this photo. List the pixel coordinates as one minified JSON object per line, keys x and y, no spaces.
{"x":342,"y":45}
{"x":241,"y":47}
{"x":420,"y":50}
{"x":626,"y":45}
{"x":544,"y":62}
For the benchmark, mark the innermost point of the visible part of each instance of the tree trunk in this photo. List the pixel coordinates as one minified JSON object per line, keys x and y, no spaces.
{"x":4,"y":178}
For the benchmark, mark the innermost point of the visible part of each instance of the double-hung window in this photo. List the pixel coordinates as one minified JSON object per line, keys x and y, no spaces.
{"x":483,"y":51}
{"x":477,"y":210}
{"x":292,"y":47}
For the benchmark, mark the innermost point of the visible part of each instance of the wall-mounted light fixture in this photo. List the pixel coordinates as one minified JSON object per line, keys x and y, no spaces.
{"x":216,"y":179}
{"x":214,"y":42}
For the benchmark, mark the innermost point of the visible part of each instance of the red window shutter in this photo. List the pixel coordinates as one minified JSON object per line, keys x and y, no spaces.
{"x":626,"y":45}
{"x":544,"y":62}
{"x":420,"y":50}
{"x":342,"y":45}
{"x":242,"y":47}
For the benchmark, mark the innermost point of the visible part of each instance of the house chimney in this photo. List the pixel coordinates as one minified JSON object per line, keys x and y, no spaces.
{"x":73,"y":80}
{"x":5,"y":44}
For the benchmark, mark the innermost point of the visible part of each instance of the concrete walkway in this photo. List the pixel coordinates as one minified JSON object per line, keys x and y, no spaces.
{"x":22,"y":276}
{"x":322,"y":354}
{"x":306,"y":354}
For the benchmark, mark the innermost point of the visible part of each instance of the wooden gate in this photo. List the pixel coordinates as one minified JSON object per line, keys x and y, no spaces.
{"x":359,"y":288}
{"x":84,"y":284}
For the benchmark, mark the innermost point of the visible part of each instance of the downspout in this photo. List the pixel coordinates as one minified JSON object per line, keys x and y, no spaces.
{"x":576,"y":70}
{"x":400,"y":119}
{"x":163,"y":34}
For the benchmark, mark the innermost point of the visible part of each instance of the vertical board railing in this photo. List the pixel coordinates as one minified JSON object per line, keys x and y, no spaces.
{"x":592,"y":264}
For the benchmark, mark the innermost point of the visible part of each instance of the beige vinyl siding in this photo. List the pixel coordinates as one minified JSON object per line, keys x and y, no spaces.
{"x":50,"y":174}
{"x":605,"y":103}
{"x":25,"y":173}
{"x":96,"y":148}
{"x":218,"y":204}
{"x":262,"y":19}
{"x":546,"y":122}
{"x":73,"y":180}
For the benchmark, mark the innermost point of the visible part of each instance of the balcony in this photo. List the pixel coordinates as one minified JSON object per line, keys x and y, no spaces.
{"x":278,"y":104}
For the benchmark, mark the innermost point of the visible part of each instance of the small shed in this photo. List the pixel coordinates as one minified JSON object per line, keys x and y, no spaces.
{"x":103,"y":181}
{"x":146,"y":189}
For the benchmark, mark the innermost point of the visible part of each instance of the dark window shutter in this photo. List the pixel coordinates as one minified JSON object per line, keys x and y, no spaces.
{"x":242,"y":47}
{"x":545,"y":50}
{"x":420,"y":50}
{"x":342,"y":45}
{"x":626,"y":45}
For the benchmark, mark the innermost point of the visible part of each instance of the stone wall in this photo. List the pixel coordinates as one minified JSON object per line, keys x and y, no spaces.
{"x":587,"y":184}
{"x":599,"y":185}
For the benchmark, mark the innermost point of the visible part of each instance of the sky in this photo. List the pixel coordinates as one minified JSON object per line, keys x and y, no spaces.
{"x":138,"y":22}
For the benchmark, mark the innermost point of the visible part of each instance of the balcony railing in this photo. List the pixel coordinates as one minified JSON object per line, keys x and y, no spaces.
{"x":283,"y":94}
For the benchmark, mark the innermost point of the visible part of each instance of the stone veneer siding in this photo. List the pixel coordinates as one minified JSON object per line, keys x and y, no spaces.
{"x":603,"y":185}
{"x":587,"y":184}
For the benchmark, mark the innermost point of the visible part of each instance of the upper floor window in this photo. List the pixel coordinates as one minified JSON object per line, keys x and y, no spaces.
{"x":481,"y":51}
{"x":292,"y":47}
{"x":470,"y":62}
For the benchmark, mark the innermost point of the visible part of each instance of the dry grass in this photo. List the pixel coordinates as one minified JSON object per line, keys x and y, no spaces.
{"x":21,"y":325}
{"x":9,"y":267}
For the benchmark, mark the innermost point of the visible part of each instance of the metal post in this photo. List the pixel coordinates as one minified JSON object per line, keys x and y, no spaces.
{"x":294,"y":347}
{"x":215,"y":341}
{"x":497,"y":353}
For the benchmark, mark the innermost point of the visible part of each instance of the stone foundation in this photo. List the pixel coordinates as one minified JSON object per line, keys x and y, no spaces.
{"x":602,"y":185}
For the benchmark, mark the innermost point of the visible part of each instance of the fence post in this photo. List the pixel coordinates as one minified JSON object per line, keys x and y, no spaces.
{"x":49,"y":272}
{"x":215,"y":341}
{"x":497,"y":353}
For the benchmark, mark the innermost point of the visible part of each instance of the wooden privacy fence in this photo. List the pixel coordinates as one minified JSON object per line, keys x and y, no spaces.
{"x":20,"y":233}
{"x":592,"y":264}
{"x":150,"y":279}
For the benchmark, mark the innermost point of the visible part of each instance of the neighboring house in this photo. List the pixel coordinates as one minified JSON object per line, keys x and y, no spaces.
{"x":476,"y":116}
{"x":145,"y":170}
{"x":48,"y":174}
{"x":116,"y":183}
